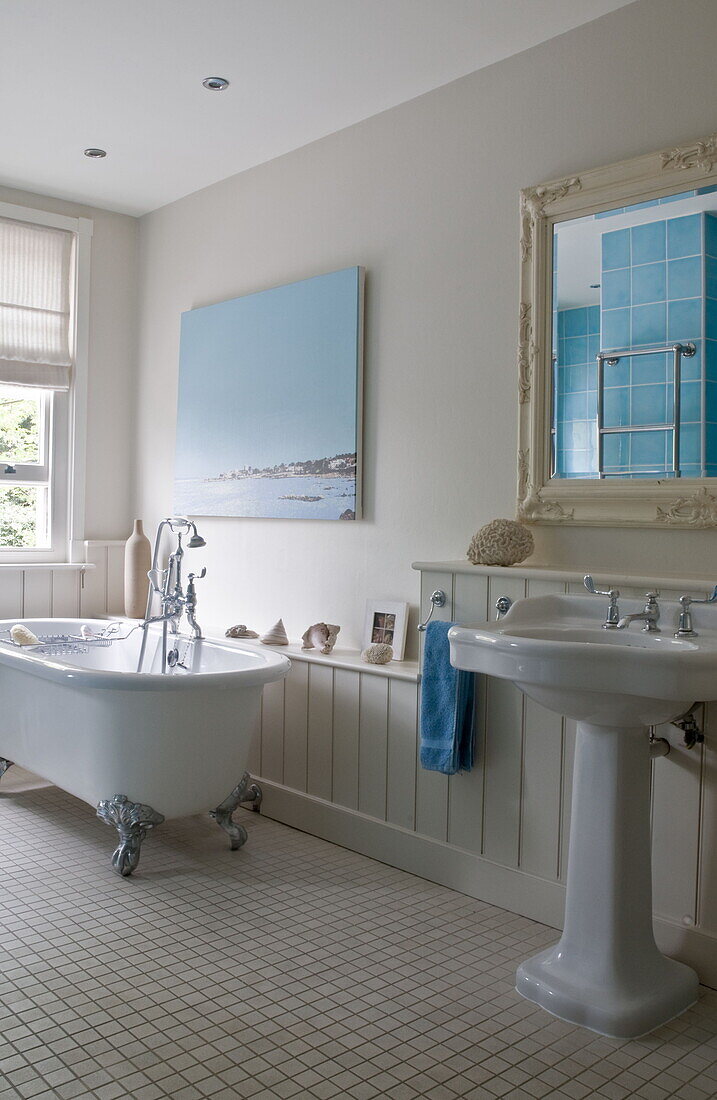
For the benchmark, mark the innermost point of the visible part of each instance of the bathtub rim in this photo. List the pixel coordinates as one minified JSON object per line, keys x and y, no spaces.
{"x":275,"y":666}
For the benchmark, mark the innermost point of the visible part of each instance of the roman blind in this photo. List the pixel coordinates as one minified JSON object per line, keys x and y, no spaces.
{"x":36,"y":344}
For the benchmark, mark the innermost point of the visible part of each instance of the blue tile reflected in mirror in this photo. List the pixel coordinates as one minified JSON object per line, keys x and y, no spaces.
{"x":629,"y":280}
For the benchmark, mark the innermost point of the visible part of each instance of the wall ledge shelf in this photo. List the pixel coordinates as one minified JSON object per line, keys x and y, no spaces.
{"x":47,"y":566}
{"x":688,"y":582}
{"x":338,"y":658}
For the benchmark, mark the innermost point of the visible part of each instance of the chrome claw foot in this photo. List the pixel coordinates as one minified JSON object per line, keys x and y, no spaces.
{"x":237,"y":833}
{"x":4,"y":765}
{"x":254,"y":794}
{"x":245,"y":791}
{"x":132,"y":821}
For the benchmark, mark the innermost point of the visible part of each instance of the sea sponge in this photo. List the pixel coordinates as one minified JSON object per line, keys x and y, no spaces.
{"x":501,"y":542}
{"x":380,"y":653}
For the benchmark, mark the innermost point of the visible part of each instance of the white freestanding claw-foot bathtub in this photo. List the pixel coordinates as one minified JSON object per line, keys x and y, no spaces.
{"x":139,"y":744}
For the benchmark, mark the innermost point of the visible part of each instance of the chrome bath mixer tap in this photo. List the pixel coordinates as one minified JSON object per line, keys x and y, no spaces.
{"x":165,"y":585}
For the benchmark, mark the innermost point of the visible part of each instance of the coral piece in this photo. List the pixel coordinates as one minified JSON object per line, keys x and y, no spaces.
{"x":321,"y":636}
{"x":501,"y":542}
{"x":378,"y":654}
{"x":22,"y":636}
{"x":240,"y":631}
{"x":276,"y":636}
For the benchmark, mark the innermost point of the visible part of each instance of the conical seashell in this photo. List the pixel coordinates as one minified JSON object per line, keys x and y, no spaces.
{"x":276,"y":636}
{"x":240,"y":631}
{"x":321,"y":636}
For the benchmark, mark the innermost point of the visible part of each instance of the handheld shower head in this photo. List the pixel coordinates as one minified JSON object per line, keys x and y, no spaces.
{"x":196,"y":540}
{"x":181,"y":523}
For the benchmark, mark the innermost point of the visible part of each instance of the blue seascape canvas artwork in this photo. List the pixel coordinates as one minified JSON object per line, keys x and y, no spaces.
{"x":269,"y":409}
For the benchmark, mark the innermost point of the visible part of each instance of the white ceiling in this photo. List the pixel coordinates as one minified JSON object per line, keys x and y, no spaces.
{"x":127,"y":75}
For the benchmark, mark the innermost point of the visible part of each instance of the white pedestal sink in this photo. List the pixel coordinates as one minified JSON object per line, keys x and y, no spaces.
{"x":606,"y":972}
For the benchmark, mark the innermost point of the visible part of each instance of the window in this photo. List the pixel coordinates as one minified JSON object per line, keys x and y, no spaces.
{"x":25,"y":419}
{"x":42,"y":381}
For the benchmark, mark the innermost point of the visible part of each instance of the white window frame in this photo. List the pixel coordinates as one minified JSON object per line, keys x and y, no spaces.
{"x":67,"y":440}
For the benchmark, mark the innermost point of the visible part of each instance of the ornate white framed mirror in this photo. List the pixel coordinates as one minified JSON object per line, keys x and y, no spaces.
{"x":617,"y":351}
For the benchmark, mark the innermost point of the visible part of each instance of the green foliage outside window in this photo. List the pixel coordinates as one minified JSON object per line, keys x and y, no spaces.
{"x":19,"y":442}
{"x":19,"y":426}
{"x":18,"y":516}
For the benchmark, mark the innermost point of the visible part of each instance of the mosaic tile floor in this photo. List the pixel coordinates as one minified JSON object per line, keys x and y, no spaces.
{"x":291,"y":968}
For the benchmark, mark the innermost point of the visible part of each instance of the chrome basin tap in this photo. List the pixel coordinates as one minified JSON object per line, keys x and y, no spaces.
{"x":684,"y":623}
{"x":612,"y":616}
{"x":165,"y":586}
{"x":650,"y":616}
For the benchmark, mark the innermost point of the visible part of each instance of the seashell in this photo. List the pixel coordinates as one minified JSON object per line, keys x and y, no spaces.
{"x":87,"y":632}
{"x":380,"y":653}
{"x":240,"y":631}
{"x":21,"y":635}
{"x":321,"y":636}
{"x":501,"y":542}
{"x":276,"y":636}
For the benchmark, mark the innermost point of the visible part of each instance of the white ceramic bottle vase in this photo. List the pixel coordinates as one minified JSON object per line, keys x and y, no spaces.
{"x":137,"y":562}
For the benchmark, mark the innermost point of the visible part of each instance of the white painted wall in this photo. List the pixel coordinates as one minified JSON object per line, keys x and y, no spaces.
{"x":112,"y":360}
{"x":425,"y":196}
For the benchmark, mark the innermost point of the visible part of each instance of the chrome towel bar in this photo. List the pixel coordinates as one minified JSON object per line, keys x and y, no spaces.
{"x":678,"y":351}
{"x":438,"y":599}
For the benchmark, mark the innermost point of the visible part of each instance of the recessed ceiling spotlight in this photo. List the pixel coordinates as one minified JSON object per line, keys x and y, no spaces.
{"x":215,"y":83}
{"x":95,"y":154}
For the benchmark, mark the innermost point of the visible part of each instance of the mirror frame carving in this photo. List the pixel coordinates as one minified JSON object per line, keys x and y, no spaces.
{"x":666,"y":503}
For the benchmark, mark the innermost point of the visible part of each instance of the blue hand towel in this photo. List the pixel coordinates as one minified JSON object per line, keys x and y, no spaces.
{"x":447,"y":707}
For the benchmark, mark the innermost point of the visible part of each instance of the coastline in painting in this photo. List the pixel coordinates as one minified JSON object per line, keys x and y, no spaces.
{"x":320,"y":488}
{"x":296,"y":496}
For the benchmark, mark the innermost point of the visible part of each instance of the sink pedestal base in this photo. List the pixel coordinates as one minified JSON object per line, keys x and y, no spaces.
{"x":606,"y":972}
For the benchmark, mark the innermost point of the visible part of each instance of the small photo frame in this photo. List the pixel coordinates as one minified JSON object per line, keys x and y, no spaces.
{"x":386,"y":622}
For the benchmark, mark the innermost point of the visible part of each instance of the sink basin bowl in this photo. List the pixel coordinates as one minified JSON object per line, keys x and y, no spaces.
{"x":606,"y":972}
{"x":556,"y":650}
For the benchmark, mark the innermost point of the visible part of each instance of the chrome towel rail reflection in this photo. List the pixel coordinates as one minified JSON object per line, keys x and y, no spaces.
{"x":612,"y":358}
{"x":438,"y":599}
